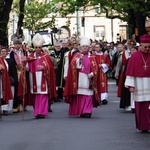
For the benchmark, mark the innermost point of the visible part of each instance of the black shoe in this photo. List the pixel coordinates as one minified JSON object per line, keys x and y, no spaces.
{"x":40,"y":116}
{"x":50,"y":110}
{"x":88,"y":116}
{"x":133,"y":110}
{"x":5,"y":112}
{"x":58,"y":100}
{"x":144,"y":131}
{"x":104,"y":102}
{"x":37,"y":117}
{"x":82,"y":115}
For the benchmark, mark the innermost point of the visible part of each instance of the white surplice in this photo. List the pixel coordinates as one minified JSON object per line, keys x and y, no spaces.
{"x":142,"y":87}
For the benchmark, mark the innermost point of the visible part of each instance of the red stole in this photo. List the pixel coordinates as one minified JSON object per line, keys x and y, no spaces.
{"x":72,"y":80}
{"x":123,"y":58}
{"x":95,"y":78}
{"x":6,"y":87}
{"x":121,"y":76}
{"x":70,"y":56}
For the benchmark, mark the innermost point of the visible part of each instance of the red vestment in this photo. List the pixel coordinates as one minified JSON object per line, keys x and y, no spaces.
{"x":71,"y":85}
{"x":103,"y":80}
{"x":48,"y":72}
{"x":6,"y":87}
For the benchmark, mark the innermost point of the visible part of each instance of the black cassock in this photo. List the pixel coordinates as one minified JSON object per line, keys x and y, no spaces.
{"x":125,"y":95}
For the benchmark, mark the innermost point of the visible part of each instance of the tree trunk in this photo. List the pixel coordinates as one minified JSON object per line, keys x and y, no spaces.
{"x":140,"y":20}
{"x":20,"y":20}
{"x":131,"y":23}
{"x":5,"y":8}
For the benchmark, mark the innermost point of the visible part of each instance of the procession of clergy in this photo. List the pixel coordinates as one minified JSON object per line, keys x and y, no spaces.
{"x":76,"y":74}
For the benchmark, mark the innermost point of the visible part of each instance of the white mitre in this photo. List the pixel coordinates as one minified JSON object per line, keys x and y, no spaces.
{"x":38,"y":40}
{"x":85,"y":41}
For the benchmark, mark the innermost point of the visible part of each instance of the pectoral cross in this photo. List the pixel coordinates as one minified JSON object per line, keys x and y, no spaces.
{"x":145,"y":66}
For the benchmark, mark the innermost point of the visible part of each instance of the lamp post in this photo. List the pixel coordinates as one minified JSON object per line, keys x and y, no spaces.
{"x":83,"y":22}
{"x":112,"y":33}
{"x":77,"y":21}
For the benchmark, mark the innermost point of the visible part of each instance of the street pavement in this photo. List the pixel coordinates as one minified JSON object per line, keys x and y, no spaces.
{"x":110,"y":128}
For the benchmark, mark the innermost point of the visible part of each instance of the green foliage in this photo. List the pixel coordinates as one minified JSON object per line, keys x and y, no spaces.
{"x":126,"y":10}
{"x":35,"y":11}
{"x":119,"y":8}
{"x":15,"y":6}
{"x":65,"y":7}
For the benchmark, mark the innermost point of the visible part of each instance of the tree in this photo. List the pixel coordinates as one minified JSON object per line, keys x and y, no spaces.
{"x":5,"y":8}
{"x":134,"y":13}
{"x":29,"y":16}
{"x":20,"y":20}
{"x":34,"y":14}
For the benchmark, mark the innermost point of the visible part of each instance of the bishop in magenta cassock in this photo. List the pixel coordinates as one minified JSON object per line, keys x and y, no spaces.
{"x":42,"y":80}
{"x":138,"y":82}
{"x":81,"y":89}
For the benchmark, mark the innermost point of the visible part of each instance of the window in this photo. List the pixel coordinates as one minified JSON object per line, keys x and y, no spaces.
{"x":99,"y":32}
{"x":123,"y":31}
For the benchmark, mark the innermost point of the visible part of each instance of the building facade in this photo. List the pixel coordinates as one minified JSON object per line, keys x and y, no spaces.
{"x":82,"y":24}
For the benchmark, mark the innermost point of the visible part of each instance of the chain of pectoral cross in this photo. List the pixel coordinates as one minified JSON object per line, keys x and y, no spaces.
{"x":145,"y":65}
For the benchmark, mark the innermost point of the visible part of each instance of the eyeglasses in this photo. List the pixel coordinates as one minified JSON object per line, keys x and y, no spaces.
{"x":147,"y":47}
{"x":38,"y":47}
